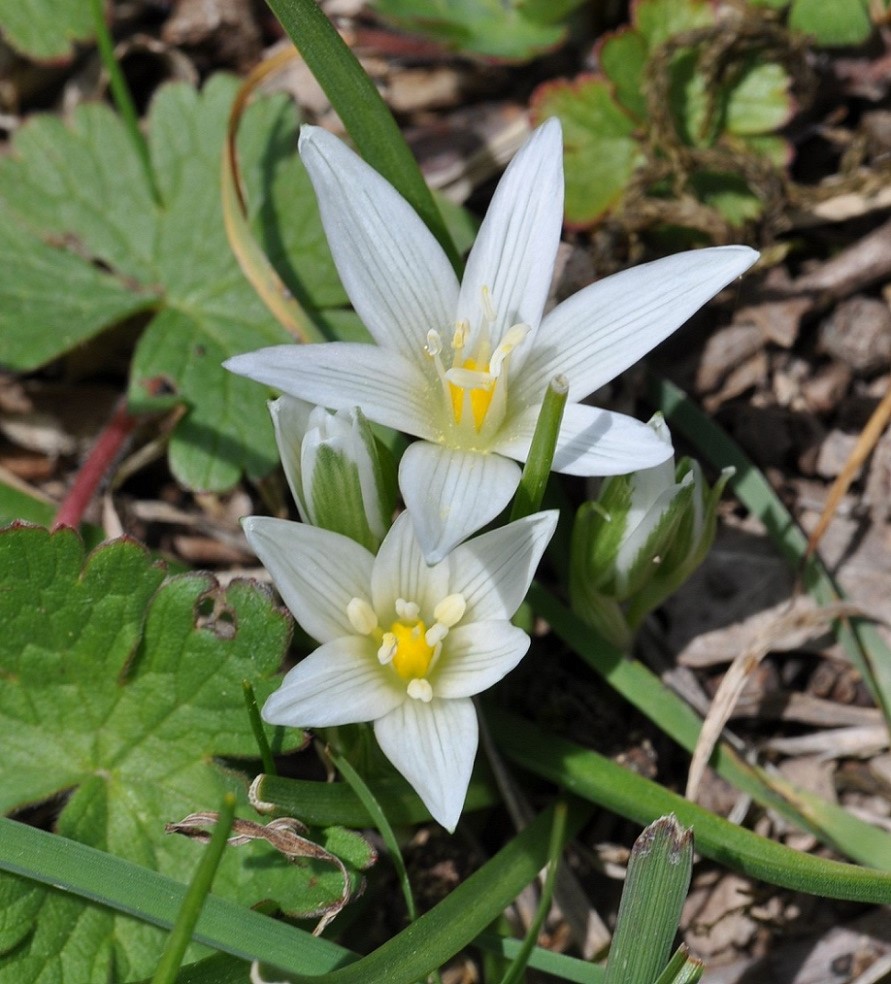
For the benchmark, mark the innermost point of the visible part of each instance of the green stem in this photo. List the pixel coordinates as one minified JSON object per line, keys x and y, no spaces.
{"x":187,"y":920}
{"x":250,"y":700}
{"x":541,"y":453}
{"x":368,"y":800}
{"x":555,"y":849}
{"x":364,"y":113}
{"x":122,"y":98}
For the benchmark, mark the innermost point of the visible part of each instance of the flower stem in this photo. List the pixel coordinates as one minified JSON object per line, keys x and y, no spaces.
{"x":181,"y":934}
{"x":250,"y":700}
{"x":541,"y":454}
{"x":122,"y":97}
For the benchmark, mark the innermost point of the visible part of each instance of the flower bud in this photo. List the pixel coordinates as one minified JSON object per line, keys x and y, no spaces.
{"x":639,"y":540}
{"x":341,"y":478}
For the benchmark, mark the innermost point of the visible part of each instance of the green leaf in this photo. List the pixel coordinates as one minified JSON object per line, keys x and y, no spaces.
{"x":652,"y":898}
{"x":119,"y":690}
{"x":513,"y":30}
{"x":600,"y":150}
{"x":83,"y":245}
{"x":759,"y":102}
{"x":843,"y":22}
{"x":46,"y":29}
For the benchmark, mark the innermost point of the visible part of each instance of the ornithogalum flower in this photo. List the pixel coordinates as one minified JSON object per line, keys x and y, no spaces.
{"x":403,"y":644}
{"x":465,"y":366}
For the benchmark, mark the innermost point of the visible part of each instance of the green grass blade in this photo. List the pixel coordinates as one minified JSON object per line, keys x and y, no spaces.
{"x":428,"y":942}
{"x":364,"y":113}
{"x":559,"y":965}
{"x":601,"y":781}
{"x":376,"y":812}
{"x":555,"y":849}
{"x":333,"y":804}
{"x":863,"y":644}
{"x":652,"y":899}
{"x":155,"y":898}
{"x":851,"y":836}
{"x":195,"y":897}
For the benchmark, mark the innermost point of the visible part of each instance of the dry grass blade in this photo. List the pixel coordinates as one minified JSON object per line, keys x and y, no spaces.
{"x":788,"y":631}
{"x":251,"y":258}
{"x":867,"y":441}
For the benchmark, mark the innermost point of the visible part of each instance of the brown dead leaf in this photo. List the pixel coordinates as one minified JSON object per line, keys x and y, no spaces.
{"x":284,"y":834}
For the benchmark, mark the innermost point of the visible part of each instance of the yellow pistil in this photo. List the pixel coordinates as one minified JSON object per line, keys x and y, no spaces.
{"x":480,"y":397}
{"x":413,"y":655}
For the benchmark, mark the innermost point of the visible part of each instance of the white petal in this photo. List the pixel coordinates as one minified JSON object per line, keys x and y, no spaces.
{"x":290,"y":420}
{"x":602,"y":330}
{"x":317,"y":572}
{"x":514,"y":253}
{"x":493,"y":571}
{"x":433,"y":745}
{"x":396,"y":274}
{"x":340,"y":683}
{"x":451,"y":494}
{"x":341,"y":375}
{"x":477,"y":656}
{"x":592,"y":442}
{"x":400,"y":571}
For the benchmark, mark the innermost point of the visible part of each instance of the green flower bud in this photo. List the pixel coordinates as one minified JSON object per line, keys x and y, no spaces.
{"x":639,"y":540}
{"x":341,"y":478}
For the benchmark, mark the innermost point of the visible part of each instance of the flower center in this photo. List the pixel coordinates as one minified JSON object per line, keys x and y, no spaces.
{"x":475,"y":384}
{"x":480,"y":396}
{"x":408,"y":647}
{"x":413,"y":654}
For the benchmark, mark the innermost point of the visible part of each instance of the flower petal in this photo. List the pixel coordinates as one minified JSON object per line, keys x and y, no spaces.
{"x":290,"y":420}
{"x":602,"y":330}
{"x":477,"y":656}
{"x":340,"y":683}
{"x":591,"y":442}
{"x":340,"y":375}
{"x":493,"y":571}
{"x":452,"y":493}
{"x":317,"y":572}
{"x":433,"y":745}
{"x":400,"y":571}
{"x":514,"y":253}
{"x":395,"y":272}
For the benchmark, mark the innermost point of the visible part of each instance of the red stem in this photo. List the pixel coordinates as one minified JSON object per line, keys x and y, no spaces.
{"x":99,"y":461}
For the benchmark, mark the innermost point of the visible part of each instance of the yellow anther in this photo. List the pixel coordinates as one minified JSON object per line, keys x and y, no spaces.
{"x":361,"y":616}
{"x":388,"y":649}
{"x":420,"y":689}
{"x":408,"y":611}
{"x":434,"y":343}
{"x":451,"y":609}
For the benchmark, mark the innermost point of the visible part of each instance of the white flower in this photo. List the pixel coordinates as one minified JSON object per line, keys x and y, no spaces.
{"x":403,"y":644}
{"x":465,"y":366}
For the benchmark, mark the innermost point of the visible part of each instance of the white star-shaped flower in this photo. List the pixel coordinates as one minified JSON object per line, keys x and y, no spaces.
{"x":403,"y":644}
{"x":464,"y":366}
